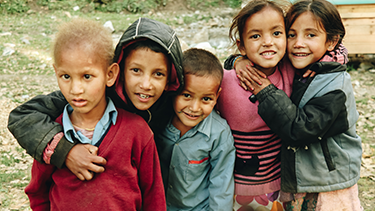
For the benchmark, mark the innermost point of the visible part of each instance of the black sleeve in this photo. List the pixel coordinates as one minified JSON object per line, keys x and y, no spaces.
{"x":321,"y":117}
{"x":228,"y":63}
{"x":33,"y":125}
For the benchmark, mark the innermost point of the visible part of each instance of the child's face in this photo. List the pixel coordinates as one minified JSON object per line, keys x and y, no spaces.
{"x":307,"y":41}
{"x":196,"y":101}
{"x":82,"y":79}
{"x":264,"y":39}
{"x":146,"y":77}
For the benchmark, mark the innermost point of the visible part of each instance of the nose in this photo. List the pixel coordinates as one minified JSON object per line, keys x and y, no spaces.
{"x":76,"y":87}
{"x":299,"y":43}
{"x":195,"y":106}
{"x":268,"y":41}
{"x":145,"y":83}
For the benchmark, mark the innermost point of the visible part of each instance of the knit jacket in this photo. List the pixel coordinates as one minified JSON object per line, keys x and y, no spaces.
{"x":32,"y":122}
{"x":131,"y":180}
{"x":257,"y":167}
{"x":321,"y":150}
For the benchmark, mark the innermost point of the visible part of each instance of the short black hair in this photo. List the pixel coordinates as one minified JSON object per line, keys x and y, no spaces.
{"x":200,"y":62}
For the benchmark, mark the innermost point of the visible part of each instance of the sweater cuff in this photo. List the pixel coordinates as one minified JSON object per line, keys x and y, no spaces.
{"x":263,"y":94}
{"x":61,"y":151}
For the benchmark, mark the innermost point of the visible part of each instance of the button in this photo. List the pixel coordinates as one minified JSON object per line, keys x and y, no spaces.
{"x":170,"y":186}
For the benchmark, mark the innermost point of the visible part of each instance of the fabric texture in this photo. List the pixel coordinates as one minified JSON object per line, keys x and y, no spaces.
{"x":131,"y":180}
{"x":198,"y":167}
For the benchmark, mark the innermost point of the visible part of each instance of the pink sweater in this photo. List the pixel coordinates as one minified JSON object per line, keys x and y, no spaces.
{"x":257,"y":169}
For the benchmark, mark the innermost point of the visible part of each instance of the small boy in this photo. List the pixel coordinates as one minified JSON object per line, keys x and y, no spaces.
{"x":83,"y":63}
{"x":196,"y":149}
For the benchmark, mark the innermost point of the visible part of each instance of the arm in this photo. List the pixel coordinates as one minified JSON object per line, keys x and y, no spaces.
{"x":221,"y":182}
{"x":150,"y":180}
{"x":33,"y":125}
{"x":321,"y":117}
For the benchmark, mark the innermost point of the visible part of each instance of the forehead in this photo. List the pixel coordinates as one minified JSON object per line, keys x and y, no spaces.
{"x":203,"y":85}
{"x":307,"y":20}
{"x":268,"y":17}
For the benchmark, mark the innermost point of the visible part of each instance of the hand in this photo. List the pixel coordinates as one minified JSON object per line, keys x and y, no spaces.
{"x":241,"y":65}
{"x":82,"y":161}
{"x":253,"y":79}
{"x":309,"y":73}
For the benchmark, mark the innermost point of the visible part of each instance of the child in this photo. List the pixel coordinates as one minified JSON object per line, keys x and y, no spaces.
{"x":196,"y":148}
{"x":83,"y":55}
{"x":262,"y":38}
{"x":321,"y":153}
{"x":148,"y":93}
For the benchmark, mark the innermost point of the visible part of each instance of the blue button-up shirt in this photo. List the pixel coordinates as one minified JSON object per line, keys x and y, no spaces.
{"x":109,"y":116}
{"x":198,"y":167}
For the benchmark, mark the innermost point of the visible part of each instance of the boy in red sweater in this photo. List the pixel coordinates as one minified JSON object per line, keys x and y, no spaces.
{"x":83,"y":63}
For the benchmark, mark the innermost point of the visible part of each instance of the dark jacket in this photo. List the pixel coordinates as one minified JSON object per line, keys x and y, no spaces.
{"x":33,"y":125}
{"x":320,"y":148}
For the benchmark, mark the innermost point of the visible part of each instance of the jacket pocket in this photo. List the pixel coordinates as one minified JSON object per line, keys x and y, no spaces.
{"x":327,"y":155}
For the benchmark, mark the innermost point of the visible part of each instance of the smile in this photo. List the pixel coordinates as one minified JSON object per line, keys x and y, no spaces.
{"x":268,"y":53}
{"x":144,"y":96}
{"x":301,"y":54}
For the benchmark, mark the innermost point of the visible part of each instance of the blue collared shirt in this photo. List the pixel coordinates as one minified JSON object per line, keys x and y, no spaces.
{"x":109,"y":116}
{"x":197,"y":168}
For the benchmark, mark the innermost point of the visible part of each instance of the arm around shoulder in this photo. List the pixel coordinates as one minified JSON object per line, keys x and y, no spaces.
{"x":33,"y":125}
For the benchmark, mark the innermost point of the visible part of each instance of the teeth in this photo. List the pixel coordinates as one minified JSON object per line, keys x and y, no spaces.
{"x":301,"y":54}
{"x":144,"y":96}
{"x":268,"y":53}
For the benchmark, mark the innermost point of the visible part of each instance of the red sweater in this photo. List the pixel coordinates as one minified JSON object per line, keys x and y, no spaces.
{"x":131,"y":180}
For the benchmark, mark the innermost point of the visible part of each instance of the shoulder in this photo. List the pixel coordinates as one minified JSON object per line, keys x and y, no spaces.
{"x":219,"y":123}
{"x":131,"y":120}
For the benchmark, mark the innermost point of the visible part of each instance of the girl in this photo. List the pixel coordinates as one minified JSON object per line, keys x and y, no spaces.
{"x":260,"y":29}
{"x":321,"y":152}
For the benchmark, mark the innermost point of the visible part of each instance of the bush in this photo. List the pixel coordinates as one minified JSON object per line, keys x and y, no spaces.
{"x":14,"y":6}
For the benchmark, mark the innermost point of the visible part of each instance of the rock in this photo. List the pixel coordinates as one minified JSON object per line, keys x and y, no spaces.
{"x":5,"y":34}
{"x":201,"y":36}
{"x":108,"y":25}
{"x":184,"y":45}
{"x":8,"y":51}
{"x":25,"y":40}
{"x":76,"y":8}
{"x":206,"y":46}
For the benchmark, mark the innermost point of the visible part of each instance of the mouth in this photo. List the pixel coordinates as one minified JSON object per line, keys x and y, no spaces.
{"x":143,"y":96}
{"x":192,"y":116}
{"x":79,"y":102}
{"x":300,"y":54}
{"x":268,"y":54}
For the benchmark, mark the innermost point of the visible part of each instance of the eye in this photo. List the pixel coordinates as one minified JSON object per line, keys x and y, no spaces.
{"x":255,"y":36}
{"x":159,"y":74}
{"x":311,"y":35}
{"x":87,"y":76}
{"x":291,"y":35}
{"x":277,"y":33}
{"x":65,"y":76}
{"x":186,"y":95}
{"x":206,"y":99}
{"x":135,"y":70}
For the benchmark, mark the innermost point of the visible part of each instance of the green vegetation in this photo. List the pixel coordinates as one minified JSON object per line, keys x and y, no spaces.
{"x":115,"y":6}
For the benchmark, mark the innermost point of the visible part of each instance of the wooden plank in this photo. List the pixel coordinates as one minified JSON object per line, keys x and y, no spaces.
{"x":358,"y":15}
{"x":356,"y":8}
{"x":360,"y":30}
{"x":360,"y":21}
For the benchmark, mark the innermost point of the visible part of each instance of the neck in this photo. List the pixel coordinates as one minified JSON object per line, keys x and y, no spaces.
{"x":84,"y":121}
{"x":267,"y":71}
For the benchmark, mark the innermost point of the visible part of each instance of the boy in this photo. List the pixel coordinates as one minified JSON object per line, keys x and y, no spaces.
{"x":196,"y":149}
{"x":83,"y":55}
{"x":32,"y":123}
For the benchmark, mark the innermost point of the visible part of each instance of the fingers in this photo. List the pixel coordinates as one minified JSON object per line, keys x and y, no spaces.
{"x":82,"y":163}
{"x":92,"y":149}
{"x":309,"y":73}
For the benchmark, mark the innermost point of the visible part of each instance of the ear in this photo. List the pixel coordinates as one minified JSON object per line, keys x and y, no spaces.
{"x":218,"y":93}
{"x":331,"y":44}
{"x":240,"y":47}
{"x":112,"y":73}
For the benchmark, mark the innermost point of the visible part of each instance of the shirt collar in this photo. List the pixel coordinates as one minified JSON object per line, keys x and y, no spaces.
{"x":110,"y":114}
